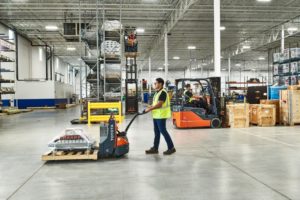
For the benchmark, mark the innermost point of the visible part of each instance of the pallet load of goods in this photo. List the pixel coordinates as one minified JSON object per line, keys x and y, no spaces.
{"x":73,"y":144}
{"x":290,"y":106}
{"x":263,"y":115}
{"x":237,"y":115}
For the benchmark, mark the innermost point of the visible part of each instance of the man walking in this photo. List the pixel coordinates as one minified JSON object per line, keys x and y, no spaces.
{"x":161,"y":111}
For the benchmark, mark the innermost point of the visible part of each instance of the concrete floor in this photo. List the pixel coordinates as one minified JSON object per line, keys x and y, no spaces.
{"x":254,"y":163}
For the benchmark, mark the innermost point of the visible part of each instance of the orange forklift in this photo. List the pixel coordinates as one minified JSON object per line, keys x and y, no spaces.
{"x":202,"y":111}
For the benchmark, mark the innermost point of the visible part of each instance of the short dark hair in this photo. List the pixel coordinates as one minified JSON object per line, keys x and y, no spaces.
{"x":188,"y":85}
{"x":160,"y":80}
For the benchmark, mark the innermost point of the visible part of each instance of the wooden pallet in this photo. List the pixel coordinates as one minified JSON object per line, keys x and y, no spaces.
{"x":70,"y":155}
{"x":131,"y":54}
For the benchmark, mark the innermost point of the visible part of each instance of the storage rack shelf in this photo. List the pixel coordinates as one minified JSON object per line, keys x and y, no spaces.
{"x":286,"y":67}
{"x":6,"y":49}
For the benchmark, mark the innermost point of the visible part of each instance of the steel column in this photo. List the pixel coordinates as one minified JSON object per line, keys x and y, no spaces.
{"x":217,"y":38}
{"x":166,"y":56}
{"x":282,"y":39}
{"x":150,"y":78}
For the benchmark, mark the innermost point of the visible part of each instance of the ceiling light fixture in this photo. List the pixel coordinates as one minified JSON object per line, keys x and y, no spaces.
{"x":292,"y":29}
{"x":191,"y":47}
{"x":71,"y":49}
{"x":238,"y":65}
{"x":176,"y":58}
{"x":264,"y":1}
{"x":246,"y":47}
{"x":140,"y":30}
{"x":222,"y":28}
{"x":261,"y":58}
{"x":51,"y":28}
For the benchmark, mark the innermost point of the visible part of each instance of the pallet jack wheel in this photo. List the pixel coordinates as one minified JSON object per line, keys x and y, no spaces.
{"x":215,"y":123}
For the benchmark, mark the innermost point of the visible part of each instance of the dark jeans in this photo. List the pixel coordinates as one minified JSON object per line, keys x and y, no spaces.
{"x":160,"y":128}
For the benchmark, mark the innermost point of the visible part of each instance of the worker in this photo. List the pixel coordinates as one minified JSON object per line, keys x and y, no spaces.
{"x":194,"y":101}
{"x":188,"y":94}
{"x":161,"y":111}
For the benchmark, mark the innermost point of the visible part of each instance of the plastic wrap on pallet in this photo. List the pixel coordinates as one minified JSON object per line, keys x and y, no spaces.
{"x":295,"y":53}
{"x":112,"y":25}
{"x":110,"y":47}
{"x":276,"y":69}
{"x":111,"y":70}
{"x":294,"y":67}
{"x":276,"y":57}
{"x":72,"y":139}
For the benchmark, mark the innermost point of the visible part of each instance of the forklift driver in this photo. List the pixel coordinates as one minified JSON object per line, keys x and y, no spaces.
{"x":194,"y":101}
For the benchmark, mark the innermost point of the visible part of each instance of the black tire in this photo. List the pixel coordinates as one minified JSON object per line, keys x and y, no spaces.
{"x":215,"y":123}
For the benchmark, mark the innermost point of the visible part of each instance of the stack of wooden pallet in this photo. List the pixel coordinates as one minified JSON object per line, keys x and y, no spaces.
{"x":290,"y":106}
{"x":263,"y":115}
{"x":238,"y":115}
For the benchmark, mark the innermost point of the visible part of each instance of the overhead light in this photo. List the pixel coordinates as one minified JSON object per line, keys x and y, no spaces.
{"x":51,"y":28}
{"x":11,"y":35}
{"x":222,"y":28}
{"x":224,"y":69}
{"x":292,"y":29}
{"x":246,"y":47}
{"x":191,"y":47}
{"x":140,"y":30}
{"x":253,"y":69}
{"x":176,"y":58}
{"x":160,"y":68}
{"x":71,"y":49}
{"x":261,"y":58}
{"x":238,"y":65}
{"x":204,"y":64}
{"x":264,"y":1}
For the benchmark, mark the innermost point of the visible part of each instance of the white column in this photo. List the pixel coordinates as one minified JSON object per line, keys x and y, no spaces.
{"x":166,"y":56}
{"x":217,"y":37}
{"x":229,"y":68}
{"x":150,"y":78}
{"x":282,"y":39}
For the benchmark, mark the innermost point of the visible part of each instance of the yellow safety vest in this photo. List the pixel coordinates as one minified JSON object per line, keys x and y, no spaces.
{"x":189,"y":99}
{"x":165,"y":111}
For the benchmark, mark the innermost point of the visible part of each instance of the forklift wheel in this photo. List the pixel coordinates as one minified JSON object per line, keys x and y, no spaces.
{"x":215,"y":123}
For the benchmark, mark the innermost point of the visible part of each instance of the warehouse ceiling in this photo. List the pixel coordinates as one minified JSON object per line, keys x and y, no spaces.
{"x":242,"y":19}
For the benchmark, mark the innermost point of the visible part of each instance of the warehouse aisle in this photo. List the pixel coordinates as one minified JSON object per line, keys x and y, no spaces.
{"x":255,"y":163}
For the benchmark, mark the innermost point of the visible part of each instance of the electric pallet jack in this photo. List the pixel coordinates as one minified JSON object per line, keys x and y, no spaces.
{"x":188,"y":116}
{"x":114,"y":143}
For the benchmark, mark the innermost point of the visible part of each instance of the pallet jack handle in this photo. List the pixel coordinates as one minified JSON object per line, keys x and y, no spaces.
{"x":134,"y":117}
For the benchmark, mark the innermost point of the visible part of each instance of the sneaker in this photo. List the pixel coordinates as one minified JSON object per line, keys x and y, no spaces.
{"x":170,"y":151}
{"x":152,"y":150}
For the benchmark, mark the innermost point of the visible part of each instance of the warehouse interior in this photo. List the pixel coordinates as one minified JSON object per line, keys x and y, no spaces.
{"x":80,"y":99}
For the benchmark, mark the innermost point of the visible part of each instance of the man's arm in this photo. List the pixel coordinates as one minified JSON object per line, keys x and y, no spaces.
{"x":162,"y":98}
{"x":158,"y":105}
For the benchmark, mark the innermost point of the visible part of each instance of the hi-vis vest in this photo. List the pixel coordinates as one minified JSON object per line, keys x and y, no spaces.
{"x":165,"y":111}
{"x":188,"y":99}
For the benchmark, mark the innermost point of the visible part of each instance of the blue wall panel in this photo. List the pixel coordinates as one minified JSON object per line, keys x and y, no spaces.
{"x":24,"y":103}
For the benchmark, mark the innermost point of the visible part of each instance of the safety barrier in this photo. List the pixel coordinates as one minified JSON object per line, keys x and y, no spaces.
{"x":105,"y":116}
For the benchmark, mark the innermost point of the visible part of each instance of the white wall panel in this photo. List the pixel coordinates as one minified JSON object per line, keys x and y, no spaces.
{"x":35,"y":90}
